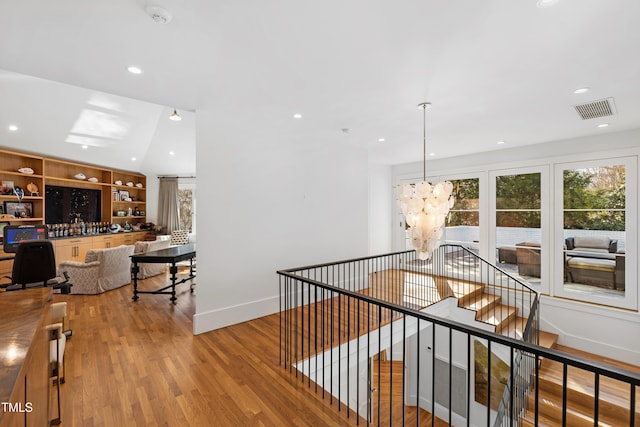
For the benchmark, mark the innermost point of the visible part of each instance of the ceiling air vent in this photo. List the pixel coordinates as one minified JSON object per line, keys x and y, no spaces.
{"x":595,"y":109}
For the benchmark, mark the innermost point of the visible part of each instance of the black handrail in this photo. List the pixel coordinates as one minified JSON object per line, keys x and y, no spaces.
{"x":308,"y":319}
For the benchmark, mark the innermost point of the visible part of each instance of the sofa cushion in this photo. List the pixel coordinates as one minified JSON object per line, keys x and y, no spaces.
{"x":153,"y":245}
{"x":146,"y":269}
{"x":592,"y":264}
{"x":115,"y":267}
{"x":91,"y":255}
{"x":592,"y":242}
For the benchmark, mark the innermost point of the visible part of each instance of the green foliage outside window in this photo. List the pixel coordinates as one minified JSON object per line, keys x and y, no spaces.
{"x":467,"y":204}
{"x":185,"y":204}
{"x":594,"y":198}
{"x":518,"y":192}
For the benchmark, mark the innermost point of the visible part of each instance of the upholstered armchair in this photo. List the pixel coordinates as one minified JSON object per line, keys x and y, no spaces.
{"x":528,"y":256}
{"x":102,"y":270}
{"x":151,"y":269}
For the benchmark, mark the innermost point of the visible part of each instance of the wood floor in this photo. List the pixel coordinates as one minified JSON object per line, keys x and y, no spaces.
{"x":139,"y":364}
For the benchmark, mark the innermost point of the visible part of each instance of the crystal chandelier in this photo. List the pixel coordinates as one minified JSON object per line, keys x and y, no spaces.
{"x":425,"y":206}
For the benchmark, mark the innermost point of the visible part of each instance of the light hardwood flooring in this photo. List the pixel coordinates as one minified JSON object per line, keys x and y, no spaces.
{"x":138,"y":364}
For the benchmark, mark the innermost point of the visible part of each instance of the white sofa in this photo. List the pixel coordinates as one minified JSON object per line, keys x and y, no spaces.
{"x":149,"y":269}
{"x":101,"y":271}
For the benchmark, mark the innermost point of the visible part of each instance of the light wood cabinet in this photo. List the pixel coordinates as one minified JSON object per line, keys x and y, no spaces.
{"x":76,"y":248}
{"x":6,"y":266}
{"x":105,"y":241}
{"x":72,"y":249}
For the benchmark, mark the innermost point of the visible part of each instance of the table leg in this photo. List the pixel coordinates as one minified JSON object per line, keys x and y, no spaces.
{"x":135,"y":270}
{"x":173,"y":270}
{"x":191,"y":275}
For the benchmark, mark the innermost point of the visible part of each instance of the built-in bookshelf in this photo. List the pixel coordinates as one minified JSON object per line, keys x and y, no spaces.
{"x":123,"y":194}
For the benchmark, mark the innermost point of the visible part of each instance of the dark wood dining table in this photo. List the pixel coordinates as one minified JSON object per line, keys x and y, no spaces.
{"x":171,"y":255}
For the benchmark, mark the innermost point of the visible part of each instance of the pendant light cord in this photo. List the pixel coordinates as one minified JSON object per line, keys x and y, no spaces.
{"x":424,"y":142}
{"x":424,"y":106}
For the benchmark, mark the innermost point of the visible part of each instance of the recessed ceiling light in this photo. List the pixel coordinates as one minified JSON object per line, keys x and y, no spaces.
{"x":171,"y":153}
{"x":297,"y":116}
{"x":547,"y":3}
{"x":432,"y":154}
{"x":603,"y":125}
{"x":84,"y":147}
{"x":134,"y":70}
{"x":381,"y":139}
{"x":500,"y":142}
{"x":133,"y":159}
{"x":13,"y":128}
{"x":581,"y":90}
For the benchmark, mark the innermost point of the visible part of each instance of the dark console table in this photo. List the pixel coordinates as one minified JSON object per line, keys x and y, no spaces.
{"x":171,"y":255}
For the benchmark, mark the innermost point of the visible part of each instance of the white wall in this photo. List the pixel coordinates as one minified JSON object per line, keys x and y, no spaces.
{"x":268,"y":199}
{"x":598,"y":329}
{"x":380,"y":203}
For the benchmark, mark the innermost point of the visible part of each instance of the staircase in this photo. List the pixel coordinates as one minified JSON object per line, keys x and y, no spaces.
{"x":613,"y":408}
{"x":490,"y":309}
{"x":330,"y":305}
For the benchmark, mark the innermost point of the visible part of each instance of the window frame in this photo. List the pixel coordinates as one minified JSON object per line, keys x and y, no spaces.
{"x":545,"y":218}
{"x":630,"y":299}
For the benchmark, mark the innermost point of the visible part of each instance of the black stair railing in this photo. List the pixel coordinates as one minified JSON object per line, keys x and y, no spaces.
{"x":382,"y":340}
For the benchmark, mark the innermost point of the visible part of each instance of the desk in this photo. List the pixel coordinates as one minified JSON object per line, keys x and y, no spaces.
{"x":24,"y":356}
{"x":171,"y":255}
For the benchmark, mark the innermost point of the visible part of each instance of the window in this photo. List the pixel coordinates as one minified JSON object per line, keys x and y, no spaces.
{"x":597,"y":219}
{"x":187,"y":205}
{"x":463,"y":223}
{"x":594,"y":229}
{"x":518,"y":218}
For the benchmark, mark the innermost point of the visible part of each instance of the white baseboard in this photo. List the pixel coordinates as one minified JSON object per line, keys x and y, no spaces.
{"x":227,"y":316}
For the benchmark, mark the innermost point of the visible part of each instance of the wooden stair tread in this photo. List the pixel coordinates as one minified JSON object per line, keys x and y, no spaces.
{"x":574,"y":419}
{"x":498,"y":315}
{"x":548,"y":339}
{"x":481,"y":304}
{"x":613,"y":395}
{"x":598,"y":358}
{"x":579,"y":412}
{"x":582,"y":383}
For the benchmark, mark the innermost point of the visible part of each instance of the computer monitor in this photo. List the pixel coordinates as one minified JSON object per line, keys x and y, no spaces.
{"x":13,"y":235}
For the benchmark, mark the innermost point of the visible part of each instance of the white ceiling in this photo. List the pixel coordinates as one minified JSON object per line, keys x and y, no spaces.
{"x":494,"y":70}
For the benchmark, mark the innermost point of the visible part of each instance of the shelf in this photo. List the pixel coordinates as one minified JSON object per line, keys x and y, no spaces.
{"x":59,"y":172}
{"x":25,"y":220}
{"x":16,"y":173}
{"x":25,"y":198}
{"x":126,"y":187}
{"x":75,"y":181}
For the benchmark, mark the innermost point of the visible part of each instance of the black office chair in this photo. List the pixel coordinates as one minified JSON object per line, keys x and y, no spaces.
{"x":34,"y":266}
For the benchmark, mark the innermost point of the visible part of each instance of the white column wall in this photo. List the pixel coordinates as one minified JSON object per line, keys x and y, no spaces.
{"x":381,"y":204}
{"x":269,"y":199}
